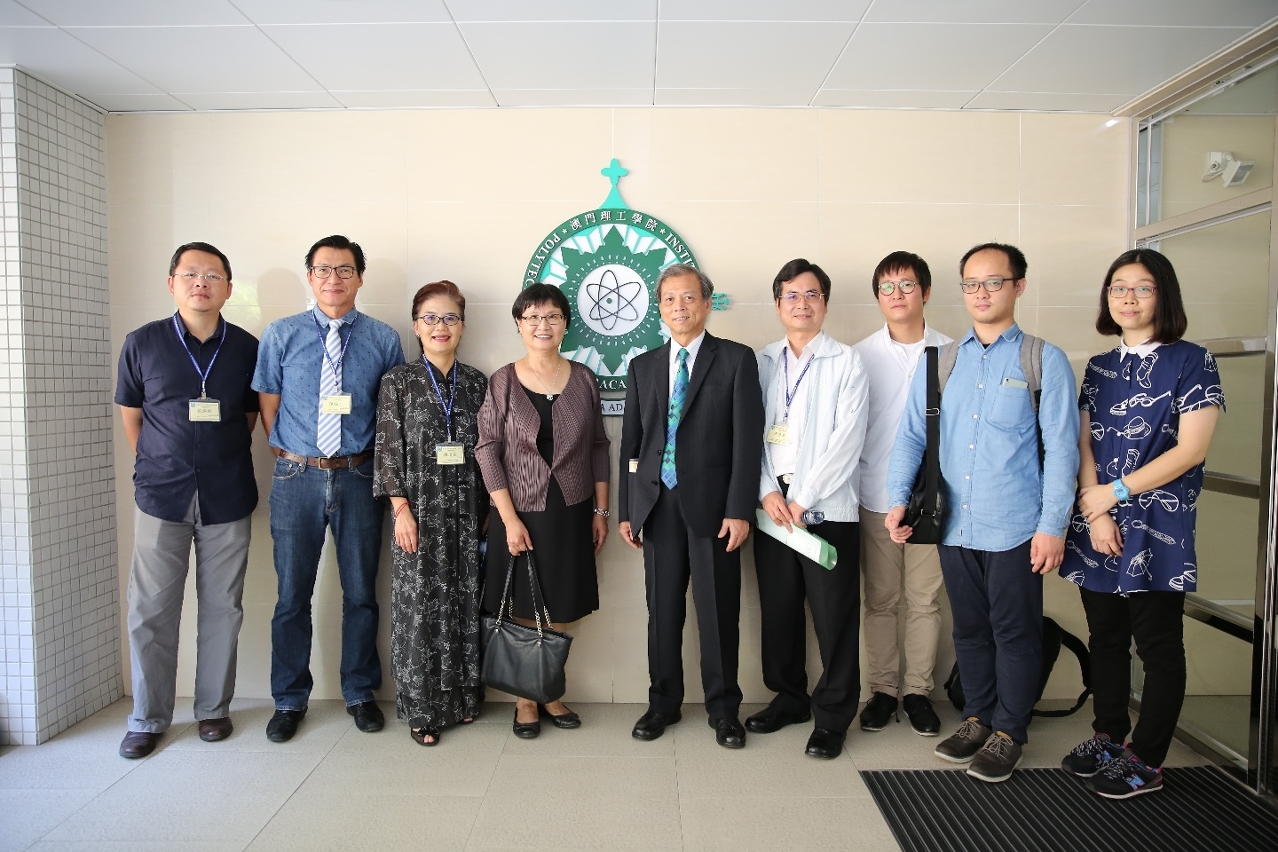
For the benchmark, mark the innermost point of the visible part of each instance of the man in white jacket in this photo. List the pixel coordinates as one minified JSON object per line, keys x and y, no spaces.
{"x":814,"y":395}
{"x":902,"y":283}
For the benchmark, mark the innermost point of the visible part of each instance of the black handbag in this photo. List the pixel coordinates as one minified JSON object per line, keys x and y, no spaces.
{"x":522,"y":660}
{"x":926,"y":511}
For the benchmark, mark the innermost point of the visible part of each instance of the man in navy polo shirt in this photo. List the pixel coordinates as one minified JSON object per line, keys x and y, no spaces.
{"x":318,"y":373}
{"x":188,"y":413}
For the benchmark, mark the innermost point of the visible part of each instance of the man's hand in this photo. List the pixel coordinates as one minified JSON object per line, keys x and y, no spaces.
{"x":628,"y":537}
{"x":1046,"y":552}
{"x":736,"y":530}
{"x":899,"y":532}
{"x":774,"y":505}
{"x":796,"y":515}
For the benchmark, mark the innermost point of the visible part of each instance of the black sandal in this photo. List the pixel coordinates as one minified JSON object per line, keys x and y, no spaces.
{"x":419,"y":736}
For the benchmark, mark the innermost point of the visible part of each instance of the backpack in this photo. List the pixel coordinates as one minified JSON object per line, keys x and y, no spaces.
{"x":1054,"y":636}
{"x":1031,"y":365}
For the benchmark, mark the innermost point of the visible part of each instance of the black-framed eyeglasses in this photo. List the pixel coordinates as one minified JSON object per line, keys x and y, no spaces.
{"x":991,"y":285}
{"x":192,"y":277}
{"x":906,"y":285}
{"x":794,"y":296}
{"x":343,"y":272}
{"x":1141,"y":291}
{"x":449,"y":320}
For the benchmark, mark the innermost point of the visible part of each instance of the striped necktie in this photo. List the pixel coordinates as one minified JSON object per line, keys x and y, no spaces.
{"x":673,"y":416}
{"x":329,"y":438}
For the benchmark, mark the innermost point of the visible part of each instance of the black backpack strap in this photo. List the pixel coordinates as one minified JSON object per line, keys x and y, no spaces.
{"x":932,"y":453}
{"x":1069,"y":640}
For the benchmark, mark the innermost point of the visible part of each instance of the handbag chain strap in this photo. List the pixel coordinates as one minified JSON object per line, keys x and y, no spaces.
{"x":534,"y":587}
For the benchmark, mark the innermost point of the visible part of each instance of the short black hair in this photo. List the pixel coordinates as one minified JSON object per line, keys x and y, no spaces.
{"x":793,"y":270}
{"x":540,"y":294}
{"x":204,"y":247}
{"x":900,"y":261}
{"x":1170,"y":321}
{"x":337,"y":241}
{"x":676,"y":270}
{"x":1015,"y":258}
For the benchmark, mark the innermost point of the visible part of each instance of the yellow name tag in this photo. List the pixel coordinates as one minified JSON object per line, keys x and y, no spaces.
{"x":779,"y":434}
{"x":338,"y":403}
{"x":204,"y":411}
{"x":452,"y":453}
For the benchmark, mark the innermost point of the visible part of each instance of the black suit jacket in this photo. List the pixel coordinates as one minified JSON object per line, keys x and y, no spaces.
{"x":719,"y":445}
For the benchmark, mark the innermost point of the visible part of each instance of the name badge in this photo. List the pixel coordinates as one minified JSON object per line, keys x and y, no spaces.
{"x":779,"y":434}
{"x":450,"y":453}
{"x":204,"y":411}
{"x":634,"y":465}
{"x":338,"y":403}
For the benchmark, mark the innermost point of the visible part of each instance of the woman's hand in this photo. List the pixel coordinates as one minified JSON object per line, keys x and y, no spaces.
{"x":1096,"y":500}
{"x":1107,"y":539}
{"x":406,"y":530}
{"x":517,"y":538}
{"x":599,"y":531}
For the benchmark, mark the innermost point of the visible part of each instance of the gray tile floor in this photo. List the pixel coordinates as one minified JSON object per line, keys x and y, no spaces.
{"x":334,"y":787}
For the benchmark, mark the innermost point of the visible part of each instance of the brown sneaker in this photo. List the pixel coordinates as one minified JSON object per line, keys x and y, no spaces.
{"x":963,"y":745}
{"x":996,"y":760}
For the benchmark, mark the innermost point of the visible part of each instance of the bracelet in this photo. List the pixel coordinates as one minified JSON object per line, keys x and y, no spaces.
{"x":395,"y":514}
{"x":603,"y":513}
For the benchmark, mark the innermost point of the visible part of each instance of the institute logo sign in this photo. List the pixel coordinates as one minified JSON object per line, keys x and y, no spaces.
{"x":607,"y":261}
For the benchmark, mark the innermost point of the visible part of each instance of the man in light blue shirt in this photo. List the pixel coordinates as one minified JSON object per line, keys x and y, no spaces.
{"x":318,"y":374}
{"x":1006,"y":507}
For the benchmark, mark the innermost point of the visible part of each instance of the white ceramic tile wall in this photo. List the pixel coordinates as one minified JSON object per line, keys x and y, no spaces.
{"x":58,"y":575}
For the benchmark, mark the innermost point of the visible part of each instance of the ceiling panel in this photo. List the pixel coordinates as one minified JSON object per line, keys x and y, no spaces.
{"x":733,"y":97}
{"x":259,"y":100}
{"x":573,"y":97}
{"x":270,"y":12}
{"x":763,"y":10}
{"x":553,"y":10}
{"x":1047,"y":101}
{"x":413,"y":99}
{"x":734,"y":55}
{"x":66,"y":62}
{"x":883,"y":99}
{"x":179,"y":60}
{"x":381,"y":56}
{"x":919,"y":56}
{"x":561,"y":55}
{"x":15,"y":15}
{"x":137,"y":103}
{"x":1177,"y":13}
{"x":136,"y":13}
{"x":973,"y":11}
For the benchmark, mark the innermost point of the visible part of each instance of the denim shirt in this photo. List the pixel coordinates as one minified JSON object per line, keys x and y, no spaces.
{"x":996,"y":495}
{"x":288,"y":364}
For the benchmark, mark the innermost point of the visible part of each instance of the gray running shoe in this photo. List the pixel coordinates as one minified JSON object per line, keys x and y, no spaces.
{"x":997,"y":760}
{"x":963,"y":745}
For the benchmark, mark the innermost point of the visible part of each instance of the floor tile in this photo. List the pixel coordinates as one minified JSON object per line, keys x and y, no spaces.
{"x":136,"y":846}
{"x":527,"y":776}
{"x":604,"y":732}
{"x":743,"y":776}
{"x":768,"y":823}
{"x":572,"y":823}
{"x":375,"y":821}
{"x":28,"y":815}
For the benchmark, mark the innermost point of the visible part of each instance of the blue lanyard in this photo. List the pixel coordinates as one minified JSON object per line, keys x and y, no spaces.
{"x":452,"y":396}
{"x":334,"y":365}
{"x":203,"y":374}
{"x":791,"y":393}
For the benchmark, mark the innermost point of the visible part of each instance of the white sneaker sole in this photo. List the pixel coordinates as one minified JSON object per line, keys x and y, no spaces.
{"x":959,"y":760}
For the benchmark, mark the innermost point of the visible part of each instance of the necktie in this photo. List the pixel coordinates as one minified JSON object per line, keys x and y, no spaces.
{"x":329,"y":438}
{"x":673,"y":416}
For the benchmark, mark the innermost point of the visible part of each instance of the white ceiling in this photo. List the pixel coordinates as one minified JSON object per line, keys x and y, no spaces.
{"x":1073,"y":55}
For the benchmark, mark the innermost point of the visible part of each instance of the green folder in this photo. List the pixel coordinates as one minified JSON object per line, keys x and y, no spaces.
{"x":799,"y":540}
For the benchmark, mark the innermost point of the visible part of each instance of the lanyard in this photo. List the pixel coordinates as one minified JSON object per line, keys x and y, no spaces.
{"x":452,"y":396}
{"x":203,"y":374}
{"x":791,"y":393}
{"x":334,"y":365}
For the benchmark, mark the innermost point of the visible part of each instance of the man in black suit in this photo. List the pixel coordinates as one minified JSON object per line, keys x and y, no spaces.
{"x":691,"y":447}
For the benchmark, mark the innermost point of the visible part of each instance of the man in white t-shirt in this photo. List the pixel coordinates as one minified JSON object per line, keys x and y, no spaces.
{"x":902,"y":284}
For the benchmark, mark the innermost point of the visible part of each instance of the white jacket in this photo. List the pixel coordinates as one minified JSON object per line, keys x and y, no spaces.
{"x":833,"y":429}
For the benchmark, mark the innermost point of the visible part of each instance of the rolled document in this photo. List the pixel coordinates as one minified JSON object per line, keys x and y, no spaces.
{"x":799,"y":540}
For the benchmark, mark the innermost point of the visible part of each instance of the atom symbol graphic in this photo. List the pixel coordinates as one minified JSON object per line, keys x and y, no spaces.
{"x":613,"y":301}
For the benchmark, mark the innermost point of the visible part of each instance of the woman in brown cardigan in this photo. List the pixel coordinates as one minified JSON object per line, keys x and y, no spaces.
{"x":544,"y":458}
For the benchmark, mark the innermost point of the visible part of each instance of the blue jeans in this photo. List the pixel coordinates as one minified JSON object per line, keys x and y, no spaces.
{"x":303,"y":501}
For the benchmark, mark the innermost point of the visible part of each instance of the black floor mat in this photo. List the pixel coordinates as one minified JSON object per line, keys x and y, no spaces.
{"x":1200,"y":808}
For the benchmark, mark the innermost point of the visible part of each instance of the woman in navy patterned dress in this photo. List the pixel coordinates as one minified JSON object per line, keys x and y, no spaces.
{"x":1148,"y":410}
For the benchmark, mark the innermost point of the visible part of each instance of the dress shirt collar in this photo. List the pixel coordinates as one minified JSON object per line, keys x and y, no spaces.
{"x":323,"y":319}
{"x":693,"y":348}
{"x":1011,"y":334}
{"x":1141,"y":350}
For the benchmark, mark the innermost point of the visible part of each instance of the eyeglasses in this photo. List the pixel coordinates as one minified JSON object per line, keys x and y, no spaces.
{"x":991,"y":285}
{"x":343,"y":272}
{"x":906,"y":285}
{"x":1120,"y":291}
{"x":534,"y":320}
{"x":449,"y":320}
{"x":794,"y":297}
{"x":192,"y":277}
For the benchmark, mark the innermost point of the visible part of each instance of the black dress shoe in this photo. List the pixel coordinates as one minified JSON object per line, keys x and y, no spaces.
{"x":728,"y":732}
{"x":283,"y":725}
{"x":771,"y":719}
{"x":368,"y":716}
{"x":563,"y":720}
{"x":923,"y":718}
{"x":215,"y":730}
{"x":653,"y":724}
{"x":825,"y":744}
{"x":878,"y":711}
{"x":138,"y":744}
{"x":525,"y":730}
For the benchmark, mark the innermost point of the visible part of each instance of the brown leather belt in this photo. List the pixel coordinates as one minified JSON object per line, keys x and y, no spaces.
{"x":334,"y":463}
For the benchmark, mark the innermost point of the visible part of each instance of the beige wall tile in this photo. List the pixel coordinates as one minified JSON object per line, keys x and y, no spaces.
{"x":1069,"y":249}
{"x":1073,"y":159}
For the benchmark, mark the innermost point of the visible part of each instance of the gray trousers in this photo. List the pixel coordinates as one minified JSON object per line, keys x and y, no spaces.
{"x":157,"y":580}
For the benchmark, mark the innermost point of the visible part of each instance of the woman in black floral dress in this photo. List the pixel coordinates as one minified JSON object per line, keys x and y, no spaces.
{"x":426,"y":433}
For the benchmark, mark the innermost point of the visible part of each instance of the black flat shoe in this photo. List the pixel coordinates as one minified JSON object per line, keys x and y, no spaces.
{"x":368,"y":716}
{"x":563,"y":720}
{"x":728,"y":732}
{"x":526,"y":730}
{"x":878,"y":712}
{"x":825,"y":744}
{"x":283,"y":725}
{"x":923,"y":718}
{"x":771,"y":719}
{"x":653,"y":724}
{"x":419,"y":736}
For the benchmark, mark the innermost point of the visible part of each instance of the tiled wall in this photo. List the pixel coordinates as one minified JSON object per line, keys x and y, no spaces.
{"x":58,"y":567}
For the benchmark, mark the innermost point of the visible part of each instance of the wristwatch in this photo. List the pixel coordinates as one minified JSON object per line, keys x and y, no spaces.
{"x":603,"y":513}
{"x":1121,"y":491}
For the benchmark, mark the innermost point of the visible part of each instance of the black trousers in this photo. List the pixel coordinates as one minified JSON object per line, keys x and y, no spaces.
{"x":672,"y":556}
{"x":1155,"y":620}
{"x":834,"y":596}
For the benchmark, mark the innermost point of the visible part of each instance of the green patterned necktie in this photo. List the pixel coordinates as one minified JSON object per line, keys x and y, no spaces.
{"x":672,"y":420}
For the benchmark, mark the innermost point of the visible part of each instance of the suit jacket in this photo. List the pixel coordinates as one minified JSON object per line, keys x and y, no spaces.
{"x":719,"y":444}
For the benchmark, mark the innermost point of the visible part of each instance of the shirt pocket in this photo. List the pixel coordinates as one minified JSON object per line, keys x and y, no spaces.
{"x":1011,"y":407}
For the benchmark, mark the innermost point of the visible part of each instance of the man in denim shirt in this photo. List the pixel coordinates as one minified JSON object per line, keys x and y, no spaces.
{"x":1006,"y":512}
{"x":318,"y":373}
